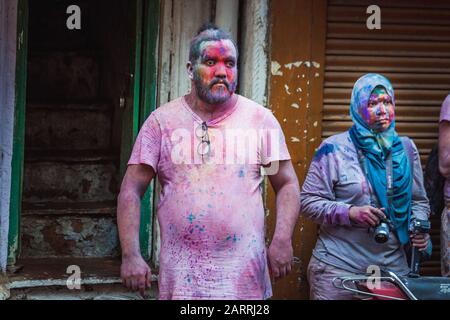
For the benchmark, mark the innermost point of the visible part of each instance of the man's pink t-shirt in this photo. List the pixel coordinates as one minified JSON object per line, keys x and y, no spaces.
{"x":445,"y":116}
{"x":211,"y":212}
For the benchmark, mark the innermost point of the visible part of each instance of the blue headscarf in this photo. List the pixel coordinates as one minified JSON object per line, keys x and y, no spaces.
{"x":376,"y":146}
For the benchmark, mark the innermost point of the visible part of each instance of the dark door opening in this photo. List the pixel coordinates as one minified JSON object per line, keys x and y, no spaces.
{"x":76,"y":82}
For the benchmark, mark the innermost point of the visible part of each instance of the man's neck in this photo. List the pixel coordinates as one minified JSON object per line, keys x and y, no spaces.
{"x":208,"y":111}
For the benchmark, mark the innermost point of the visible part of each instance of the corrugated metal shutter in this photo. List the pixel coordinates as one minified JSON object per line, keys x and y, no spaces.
{"x":412,"y":49}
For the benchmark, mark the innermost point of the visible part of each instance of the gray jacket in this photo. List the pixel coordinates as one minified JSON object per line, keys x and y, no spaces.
{"x":334,"y":182}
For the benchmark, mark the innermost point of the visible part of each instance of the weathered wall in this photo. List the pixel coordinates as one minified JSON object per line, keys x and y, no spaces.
{"x":253,"y":50}
{"x":8,"y":25}
{"x":297,"y":54}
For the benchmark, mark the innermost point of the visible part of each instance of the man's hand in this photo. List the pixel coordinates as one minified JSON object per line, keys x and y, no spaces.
{"x":420,"y":240}
{"x":135,"y":273}
{"x":285,"y":185}
{"x":367,"y":215}
{"x":280,"y":256}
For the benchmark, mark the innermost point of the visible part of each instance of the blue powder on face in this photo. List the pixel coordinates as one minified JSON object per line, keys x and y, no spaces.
{"x":323,"y":151}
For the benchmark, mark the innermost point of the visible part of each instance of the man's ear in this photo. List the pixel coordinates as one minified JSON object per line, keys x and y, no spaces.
{"x":190,"y":70}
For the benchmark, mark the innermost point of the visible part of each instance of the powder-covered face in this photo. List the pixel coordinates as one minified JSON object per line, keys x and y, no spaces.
{"x":215,"y":71}
{"x":379,"y":112}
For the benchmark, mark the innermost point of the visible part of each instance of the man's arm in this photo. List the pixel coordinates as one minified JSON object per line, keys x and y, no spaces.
{"x":135,"y":272}
{"x":444,"y":148}
{"x":285,"y":184}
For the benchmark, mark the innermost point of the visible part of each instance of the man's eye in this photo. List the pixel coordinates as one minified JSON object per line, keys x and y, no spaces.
{"x":230,"y":64}
{"x":209,"y":63}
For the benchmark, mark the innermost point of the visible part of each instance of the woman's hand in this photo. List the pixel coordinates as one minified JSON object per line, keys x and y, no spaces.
{"x":420,"y":240}
{"x":366,"y":215}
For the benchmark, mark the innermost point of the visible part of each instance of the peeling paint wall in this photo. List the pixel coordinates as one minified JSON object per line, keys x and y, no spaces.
{"x":226,"y":16}
{"x":297,"y":58}
{"x":253,"y":48}
{"x":8,"y":25}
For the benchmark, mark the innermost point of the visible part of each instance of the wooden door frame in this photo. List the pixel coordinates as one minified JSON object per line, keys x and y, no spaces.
{"x":15,"y":205}
{"x":142,"y":101}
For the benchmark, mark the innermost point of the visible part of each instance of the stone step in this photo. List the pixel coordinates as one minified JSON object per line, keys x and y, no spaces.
{"x":70,"y":156}
{"x":69,"y":179}
{"x":85,"y":209}
{"x":66,"y":76}
{"x":68,"y":126}
{"x":95,"y":291}
{"x":47,"y":278}
{"x":69,"y":236}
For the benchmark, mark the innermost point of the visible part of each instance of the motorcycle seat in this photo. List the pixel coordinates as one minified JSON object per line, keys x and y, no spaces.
{"x":428,"y":288}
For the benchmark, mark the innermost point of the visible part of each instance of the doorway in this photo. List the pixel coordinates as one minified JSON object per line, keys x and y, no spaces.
{"x":80,"y":87}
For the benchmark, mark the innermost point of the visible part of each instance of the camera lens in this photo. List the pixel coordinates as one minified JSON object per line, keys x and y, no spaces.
{"x":382,"y":232}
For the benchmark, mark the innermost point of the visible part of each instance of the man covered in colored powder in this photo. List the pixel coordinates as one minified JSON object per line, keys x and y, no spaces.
{"x":208,"y":149}
{"x":444,"y":167}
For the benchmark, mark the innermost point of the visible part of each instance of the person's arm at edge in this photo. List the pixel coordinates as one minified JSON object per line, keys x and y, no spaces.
{"x":444,"y":148}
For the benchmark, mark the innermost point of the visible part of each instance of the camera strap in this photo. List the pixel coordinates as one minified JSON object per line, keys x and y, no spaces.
{"x":389,"y":180}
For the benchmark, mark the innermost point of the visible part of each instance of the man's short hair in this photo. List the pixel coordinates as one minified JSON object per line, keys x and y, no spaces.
{"x":207,"y":32}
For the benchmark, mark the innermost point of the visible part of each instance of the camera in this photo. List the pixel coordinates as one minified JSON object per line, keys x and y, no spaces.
{"x":420,"y":226}
{"x":383,"y":230}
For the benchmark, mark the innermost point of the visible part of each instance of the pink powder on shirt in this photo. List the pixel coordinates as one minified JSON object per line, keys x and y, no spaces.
{"x":211,"y":215}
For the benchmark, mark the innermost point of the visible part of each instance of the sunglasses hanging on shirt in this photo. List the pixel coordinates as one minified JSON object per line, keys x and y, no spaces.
{"x":204,"y":146}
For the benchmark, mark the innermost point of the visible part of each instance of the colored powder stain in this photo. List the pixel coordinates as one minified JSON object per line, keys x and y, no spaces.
{"x":234,"y":238}
{"x":367,"y":115}
{"x":209,"y":205}
{"x":323,"y":151}
{"x":241,"y":173}
{"x":228,"y":238}
{"x":191,"y":217}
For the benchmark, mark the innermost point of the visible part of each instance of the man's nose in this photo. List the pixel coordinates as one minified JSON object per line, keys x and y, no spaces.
{"x":220,"y":71}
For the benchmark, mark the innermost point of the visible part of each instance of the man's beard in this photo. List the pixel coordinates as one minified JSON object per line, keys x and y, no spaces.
{"x":204,"y":92}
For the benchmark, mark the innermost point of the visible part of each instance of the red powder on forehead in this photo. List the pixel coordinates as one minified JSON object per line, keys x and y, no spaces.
{"x":218,"y":48}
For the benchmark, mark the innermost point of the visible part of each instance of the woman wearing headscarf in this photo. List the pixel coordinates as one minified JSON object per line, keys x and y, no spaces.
{"x":356,"y":180}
